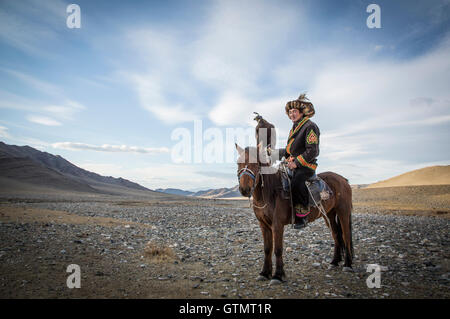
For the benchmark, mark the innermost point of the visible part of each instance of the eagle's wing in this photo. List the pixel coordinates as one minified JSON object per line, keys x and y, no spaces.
{"x":267,"y":128}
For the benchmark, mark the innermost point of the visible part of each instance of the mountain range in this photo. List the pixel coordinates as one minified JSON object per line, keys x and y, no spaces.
{"x":26,"y":168}
{"x":209,"y":193}
{"x":432,"y":175}
{"x":23,"y":168}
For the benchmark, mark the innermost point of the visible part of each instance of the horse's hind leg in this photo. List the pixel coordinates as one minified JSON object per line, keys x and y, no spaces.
{"x":345,"y":221}
{"x":337,"y":236}
{"x":268,"y":250}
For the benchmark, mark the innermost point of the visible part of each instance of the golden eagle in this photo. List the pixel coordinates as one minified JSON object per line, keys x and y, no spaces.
{"x":265,"y":132}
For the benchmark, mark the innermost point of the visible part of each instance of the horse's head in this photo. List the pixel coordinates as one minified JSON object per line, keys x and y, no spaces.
{"x":248,"y":169}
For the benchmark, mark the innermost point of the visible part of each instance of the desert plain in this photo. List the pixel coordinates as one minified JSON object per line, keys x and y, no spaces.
{"x":167,"y":246}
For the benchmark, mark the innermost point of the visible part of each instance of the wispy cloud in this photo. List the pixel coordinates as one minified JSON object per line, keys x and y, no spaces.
{"x":387,"y":87}
{"x":109,"y":148}
{"x":231,"y":107}
{"x":37,"y":84}
{"x":26,"y":25}
{"x":4,"y":132}
{"x":63,"y":109}
{"x":238,"y":40}
{"x":153,"y":97}
{"x":163,"y":85}
{"x":43,"y":120}
{"x":13,"y":101}
{"x":12,"y":138}
{"x":223,"y":56}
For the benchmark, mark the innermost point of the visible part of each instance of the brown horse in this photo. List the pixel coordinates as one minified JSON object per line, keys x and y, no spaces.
{"x":273,"y":211}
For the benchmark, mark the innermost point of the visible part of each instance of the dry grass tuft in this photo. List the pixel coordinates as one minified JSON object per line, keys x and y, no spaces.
{"x":158,"y":253}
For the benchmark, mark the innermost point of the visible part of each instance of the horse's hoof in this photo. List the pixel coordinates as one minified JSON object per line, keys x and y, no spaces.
{"x":261,"y":278}
{"x":275,"y":282}
{"x":347,"y":269}
{"x":332,"y":267}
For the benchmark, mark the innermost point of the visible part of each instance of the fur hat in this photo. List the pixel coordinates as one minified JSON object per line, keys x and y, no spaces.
{"x":302,"y":104}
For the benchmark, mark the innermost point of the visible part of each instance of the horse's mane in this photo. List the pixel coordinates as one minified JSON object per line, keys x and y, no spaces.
{"x":272,"y":182}
{"x":272,"y":187}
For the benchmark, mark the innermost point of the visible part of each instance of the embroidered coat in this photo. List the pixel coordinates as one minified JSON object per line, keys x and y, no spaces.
{"x":303,"y":144}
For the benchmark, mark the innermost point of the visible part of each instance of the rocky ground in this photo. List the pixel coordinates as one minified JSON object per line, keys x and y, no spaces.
{"x":208,"y":249}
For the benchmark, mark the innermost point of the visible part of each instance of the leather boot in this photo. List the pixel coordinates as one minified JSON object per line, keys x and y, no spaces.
{"x":300,"y":222}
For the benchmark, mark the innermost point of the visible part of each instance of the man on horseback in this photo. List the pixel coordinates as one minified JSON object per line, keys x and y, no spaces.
{"x":301,"y":153}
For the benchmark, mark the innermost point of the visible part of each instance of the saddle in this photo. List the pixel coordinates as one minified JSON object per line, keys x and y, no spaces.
{"x":318,"y":189}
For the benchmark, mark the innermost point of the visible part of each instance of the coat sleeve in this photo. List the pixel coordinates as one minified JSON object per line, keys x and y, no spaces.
{"x":312,"y":144}
{"x":311,"y":147}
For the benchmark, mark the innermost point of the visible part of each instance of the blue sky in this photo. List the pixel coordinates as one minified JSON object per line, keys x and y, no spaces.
{"x":111,"y":96}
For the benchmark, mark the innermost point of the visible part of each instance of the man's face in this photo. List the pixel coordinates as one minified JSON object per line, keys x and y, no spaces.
{"x":295,"y":115}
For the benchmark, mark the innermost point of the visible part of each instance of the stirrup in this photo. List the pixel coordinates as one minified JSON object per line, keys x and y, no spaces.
{"x":301,"y":224}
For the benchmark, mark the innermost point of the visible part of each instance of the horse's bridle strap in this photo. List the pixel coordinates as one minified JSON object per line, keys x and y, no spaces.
{"x":246,"y":171}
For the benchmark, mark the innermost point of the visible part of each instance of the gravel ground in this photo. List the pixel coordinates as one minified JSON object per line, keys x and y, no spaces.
{"x":207,"y":249}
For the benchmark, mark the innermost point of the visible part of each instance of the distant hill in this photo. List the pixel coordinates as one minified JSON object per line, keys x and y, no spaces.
{"x":220,"y":193}
{"x":209,"y":193}
{"x":358,"y":186}
{"x":174,"y":191}
{"x":26,"y":171}
{"x":433,"y":175}
{"x":24,"y":165}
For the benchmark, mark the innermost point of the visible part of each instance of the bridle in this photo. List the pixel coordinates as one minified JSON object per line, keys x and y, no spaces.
{"x":247,"y":171}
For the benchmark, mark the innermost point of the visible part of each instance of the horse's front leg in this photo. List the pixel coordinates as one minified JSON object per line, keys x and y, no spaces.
{"x":278,"y":231}
{"x":266,"y":272}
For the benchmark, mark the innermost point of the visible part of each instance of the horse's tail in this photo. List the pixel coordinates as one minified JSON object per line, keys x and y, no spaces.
{"x":351,"y":235}
{"x":350,"y":220}
{"x":340,"y":234}
{"x":350,"y":207}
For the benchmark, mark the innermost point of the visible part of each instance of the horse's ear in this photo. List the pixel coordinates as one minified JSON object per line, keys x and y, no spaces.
{"x":239,"y":149}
